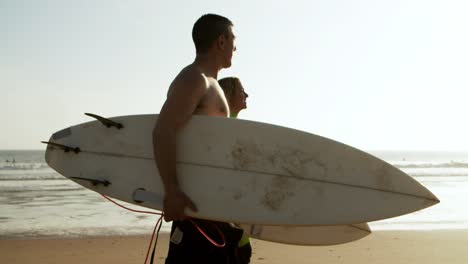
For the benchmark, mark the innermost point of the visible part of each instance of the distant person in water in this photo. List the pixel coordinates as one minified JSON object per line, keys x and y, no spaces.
{"x":237,"y":101}
{"x":235,"y":95}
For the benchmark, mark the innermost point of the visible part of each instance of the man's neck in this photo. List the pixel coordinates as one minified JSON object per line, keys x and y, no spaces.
{"x":208,"y":64}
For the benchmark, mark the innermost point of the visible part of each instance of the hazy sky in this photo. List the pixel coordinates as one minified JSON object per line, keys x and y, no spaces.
{"x":371,"y":74}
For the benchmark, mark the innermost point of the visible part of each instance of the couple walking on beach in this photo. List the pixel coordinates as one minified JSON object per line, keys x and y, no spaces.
{"x":197,"y":91}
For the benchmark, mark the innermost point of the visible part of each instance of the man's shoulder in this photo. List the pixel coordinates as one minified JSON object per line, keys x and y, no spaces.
{"x":189,"y":80}
{"x":193,"y":76}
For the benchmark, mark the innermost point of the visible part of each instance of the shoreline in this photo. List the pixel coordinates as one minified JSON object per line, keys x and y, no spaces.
{"x":167,"y":231}
{"x":384,"y":247}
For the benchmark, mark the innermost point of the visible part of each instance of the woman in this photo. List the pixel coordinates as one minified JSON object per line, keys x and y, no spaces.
{"x":237,"y":101}
{"x":235,"y":94}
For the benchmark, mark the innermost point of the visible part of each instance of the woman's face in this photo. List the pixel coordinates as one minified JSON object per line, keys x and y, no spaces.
{"x":239,"y":98}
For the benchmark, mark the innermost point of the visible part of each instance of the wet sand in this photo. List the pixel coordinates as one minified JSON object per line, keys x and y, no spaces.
{"x":381,"y":247}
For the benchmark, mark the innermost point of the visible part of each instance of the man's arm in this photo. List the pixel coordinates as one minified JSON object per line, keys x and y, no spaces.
{"x":187,"y":90}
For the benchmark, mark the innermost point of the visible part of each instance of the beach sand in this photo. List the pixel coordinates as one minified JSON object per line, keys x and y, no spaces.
{"x":428,"y":247}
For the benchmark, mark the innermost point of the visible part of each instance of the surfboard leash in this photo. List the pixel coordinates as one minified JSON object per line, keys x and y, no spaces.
{"x":158,"y":226}
{"x":223,"y":244}
{"x":156,"y":229}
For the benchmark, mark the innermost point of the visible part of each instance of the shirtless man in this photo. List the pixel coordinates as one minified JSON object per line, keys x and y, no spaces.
{"x":195,"y":91}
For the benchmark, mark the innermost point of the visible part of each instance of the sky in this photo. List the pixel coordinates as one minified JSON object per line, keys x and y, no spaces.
{"x":376,"y":75}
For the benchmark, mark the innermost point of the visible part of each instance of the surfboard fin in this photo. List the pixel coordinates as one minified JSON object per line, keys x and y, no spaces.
{"x":140,"y":195}
{"x":93,"y":181}
{"x":65,"y":148}
{"x":105,"y":121}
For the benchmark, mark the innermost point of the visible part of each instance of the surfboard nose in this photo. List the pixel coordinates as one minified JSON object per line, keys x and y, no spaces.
{"x":431,"y":198}
{"x":419,"y":190}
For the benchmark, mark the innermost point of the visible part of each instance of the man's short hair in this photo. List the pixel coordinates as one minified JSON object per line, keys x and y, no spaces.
{"x":207,"y":29}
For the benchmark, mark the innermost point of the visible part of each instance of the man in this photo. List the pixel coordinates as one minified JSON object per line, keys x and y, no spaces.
{"x":195,"y":91}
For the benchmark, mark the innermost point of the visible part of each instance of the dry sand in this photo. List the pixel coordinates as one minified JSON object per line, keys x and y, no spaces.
{"x":428,"y":247}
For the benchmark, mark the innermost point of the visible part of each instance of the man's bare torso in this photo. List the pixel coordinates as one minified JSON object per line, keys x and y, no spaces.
{"x":213,"y":103}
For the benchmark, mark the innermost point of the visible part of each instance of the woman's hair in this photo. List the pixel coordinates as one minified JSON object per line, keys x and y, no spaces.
{"x":229,"y":85}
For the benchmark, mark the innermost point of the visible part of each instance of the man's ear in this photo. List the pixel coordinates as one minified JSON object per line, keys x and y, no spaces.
{"x":221,"y":41}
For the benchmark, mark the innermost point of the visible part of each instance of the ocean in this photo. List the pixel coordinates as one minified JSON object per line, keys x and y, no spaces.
{"x":35,"y":201}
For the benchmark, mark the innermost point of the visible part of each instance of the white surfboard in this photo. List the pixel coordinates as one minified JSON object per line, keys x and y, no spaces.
{"x":293,"y":235}
{"x":241,"y":171}
{"x":308,"y":235}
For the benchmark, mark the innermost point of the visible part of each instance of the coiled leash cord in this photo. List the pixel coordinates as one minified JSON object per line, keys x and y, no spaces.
{"x":158,"y":225}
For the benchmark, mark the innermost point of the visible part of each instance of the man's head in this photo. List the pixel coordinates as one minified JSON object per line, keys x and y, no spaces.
{"x":214,"y":32}
{"x":235,"y":94}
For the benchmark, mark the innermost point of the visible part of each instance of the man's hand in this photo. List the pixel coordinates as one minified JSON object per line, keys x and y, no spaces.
{"x":175,"y":202}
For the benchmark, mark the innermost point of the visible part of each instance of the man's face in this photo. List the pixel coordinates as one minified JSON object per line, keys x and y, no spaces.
{"x":229,"y":47}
